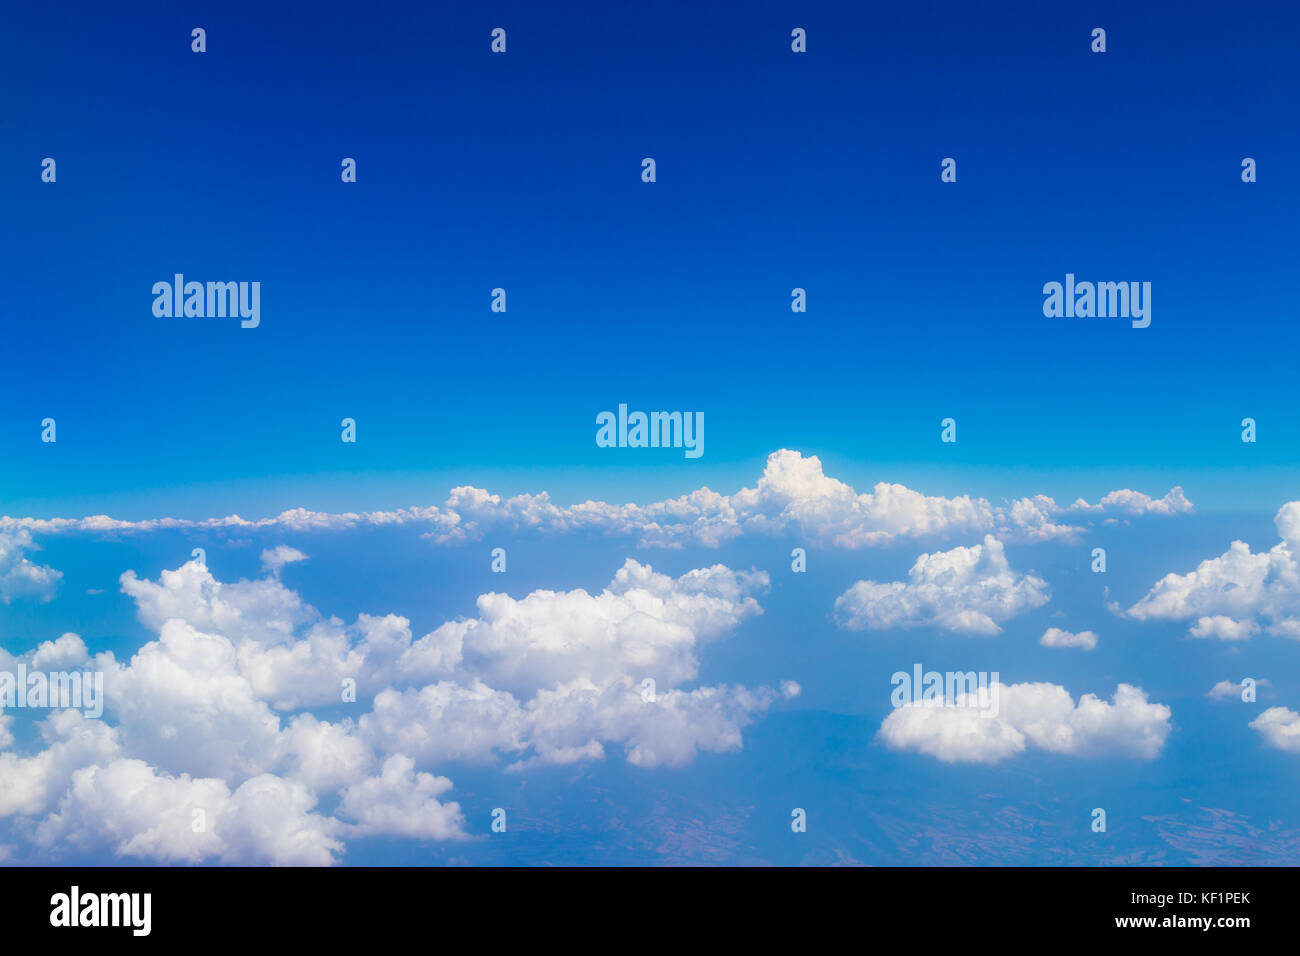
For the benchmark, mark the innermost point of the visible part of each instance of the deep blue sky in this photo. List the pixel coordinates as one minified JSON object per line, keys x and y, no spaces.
{"x":775,"y":170}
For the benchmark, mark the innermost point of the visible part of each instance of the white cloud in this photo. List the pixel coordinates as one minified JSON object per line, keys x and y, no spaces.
{"x":273,"y":559}
{"x":1237,"y":594}
{"x":1280,"y":728}
{"x":560,"y":674}
{"x":1055,"y":637}
{"x":570,"y":724}
{"x":30,"y":785}
{"x":1227,"y":688}
{"x":19,"y":577}
{"x":642,"y":623}
{"x":263,"y":611}
{"x":1126,"y":501}
{"x":182,"y":704}
{"x":133,"y":810}
{"x":965,"y":590}
{"x":793,"y":494}
{"x":66,"y":653}
{"x":1039,"y":715}
{"x":445,"y":721}
{"x":322,"y":755}
{"x":401,"y":802}
{"x":552,"y":677}
{"x":1223,"y":628}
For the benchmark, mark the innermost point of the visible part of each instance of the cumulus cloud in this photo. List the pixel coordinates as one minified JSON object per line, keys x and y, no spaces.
{"x":322,"y":755}
{"x":401,"y":802}
{"x":1280,"y":728}
{"x":1223,"y":628}
{"x":66,"y":653}
{"x":1055,"y":637}
{"x":182,"y":703}
{"x":1239,"y":593}
{"x":30,"y":785}
{"x":21,"y":578}
{"x":669,"y":729}
{"x":1042,"y":716}
{"x":642,"y":622}
{"x":261,"y":611}
{"x":211,"y":714}
{"x":132,"y":810}
{"x":792,"y":495}
{"x":556,"y":676}
{"x":446,"y":721}
{"x":967,"y":590}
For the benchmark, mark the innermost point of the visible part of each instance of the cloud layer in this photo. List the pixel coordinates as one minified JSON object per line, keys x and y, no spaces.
{"x":210,"y":719}
{"x":793,"y":495}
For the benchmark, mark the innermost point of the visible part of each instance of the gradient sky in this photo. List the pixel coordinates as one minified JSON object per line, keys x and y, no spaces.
{"x":523,"y":171}
{"x":775,"y":171}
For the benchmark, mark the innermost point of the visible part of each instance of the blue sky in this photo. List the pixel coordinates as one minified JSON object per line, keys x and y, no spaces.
{"x":775,"y":170}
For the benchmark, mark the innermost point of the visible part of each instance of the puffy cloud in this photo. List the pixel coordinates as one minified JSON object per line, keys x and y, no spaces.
{"x":668,"y":730}
{"x":182,"y":703}
{"x":30,"y":785}
{"x":1055,"y":637}
{"x":268,"y":820}
{"x":400,"y":802}
{"x":263,"y":610}
{"x":445,"y":721}
{"x":1280,"y":728}
{"x":953,"y":734}
{"x":559,"y":673}
{"x":643,"y":622}
{"x":66,"y":653}
{"x":967,"y":590}
{"x":1038,"y":715}
{"x":127,"y":807}
{"x":566,"y":724}
{"x":1223,"y":628}
{"x":133,"y":810}
{"x":793,"y":494}
{"x":19,"y":577}
{"x":552,"y":677}
{"x":322,"y":755}
{"x":1235,"y":595}
{"x":1031,"y":519}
